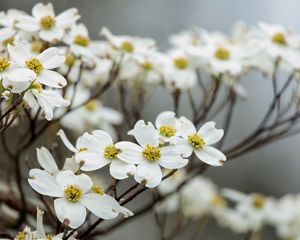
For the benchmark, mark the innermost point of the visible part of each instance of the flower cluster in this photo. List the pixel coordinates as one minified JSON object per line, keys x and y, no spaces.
{"x":240,"y":212}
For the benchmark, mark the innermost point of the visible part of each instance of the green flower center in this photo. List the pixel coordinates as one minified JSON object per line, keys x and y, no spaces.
{"x":258,"y":200}
{"x":8,"y":41}
{"x":37,"y":86}
{"x":218,"y":201}
{"x":167,"y":130}
{"x":70,"y":59}
{"x":279,"y":38}
{"x":4,"y":64}
{"x":127,"y":46}
{"x":21,"y":236}
{"x":111,"y":151}
{"x":49,"y":237}
{"x":37,"y":46}
{"x":222,"y":53}
{"x":151,"y":152}
{"x":97,"y":189}
{"x":147,"y":66}
{"x":35,"y":65}
{"x":181,"y":62}
{"x":196,"y":140}
{"x":73,"y":193}
{"x":47,"y":22}
{"x":91,"y":105}
{"x":81,"y":40}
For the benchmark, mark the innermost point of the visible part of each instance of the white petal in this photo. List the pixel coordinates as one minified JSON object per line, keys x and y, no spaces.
{"x":6,"y":33}
{"x":90,"y":142}
{"x":210,"y":133}
{"x":75,"y":213}
{"x":18,"y":80}
{"x":103,"y":206}
{"x":40,"y":232}
{"x":67,"y":18}
{"x":182,"y":146}
{"x":121,"y":170}
{"x":46,"y":160}
{"x":28,"y":24}
{"x":171,"y":159}
{"x":145,"y":134}
{"x":148,"y":172}
{"x":130,"y":152}
{"x":185,"y":127}
{"x":54,"y":34}
{"x":165,"y":118}
{"x":103,"y":136}
{"x":211,"y":156}
{"x":66,"y":141}
{"x":91,"y":160}
{"x":71,"y":164}
{"x":18,"y":54}
{"x":67,"y":177}
{"x":40,"y":10}
{"x":44,"y":183}
{"x":51,"y":78}
{"x":51,"y":58}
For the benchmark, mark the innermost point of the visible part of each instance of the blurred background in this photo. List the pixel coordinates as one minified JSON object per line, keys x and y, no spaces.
{"x":273,"y":170}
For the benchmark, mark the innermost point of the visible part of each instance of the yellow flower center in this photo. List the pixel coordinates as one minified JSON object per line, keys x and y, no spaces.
{"x":47,"y":22}
{"x":37,"y":46}
{"x":8,"y":41}
{"x":218,"y":201}
{"x":167,"y":130}
{"x":258,"y":200}
{"x":127,"y":46}
{"x":83,"y":149}
{"x":196,"y":140}
{"x":91,"y":105}
{"x":70,"y":59}
{"x":279,"y":38}
{"x":97,"y":189}
{"x":222,"y":53}
{"x":4,"y":64}
{"x":81,"y":40}
{"x":35,"y":65}
{"x":37,"y":86}
{"x":181,"y":62}
{"x":147,"y":66}
{"x":73,"y":193}
{"x":21,"y":236}
{"x":151,"y":152}
{"x":49,"y":237}
{"x":111,"y":151}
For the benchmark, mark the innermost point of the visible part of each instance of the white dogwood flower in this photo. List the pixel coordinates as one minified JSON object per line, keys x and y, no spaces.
{"x":51,"y":28}
{"x":151,"y":156}
{"x":96,"y":150}
{"x":199,"y":142}
{"x":73,"y":195}
{"x":41,"y":65}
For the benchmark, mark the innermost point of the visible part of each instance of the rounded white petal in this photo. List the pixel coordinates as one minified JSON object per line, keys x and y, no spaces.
{"x":18,"y":80}
{"x":44,"y":183}
{"x":28,"y":24}
{"x":171,"y":159}
{"x":182,"y":146}
{"x":165,"y":118}
{"x":40,"y":10}
{"x":211,"y":156}
{"x":145,"y":133}
{"x":52,"y":79}
{"x":149,"y":173}
{"x":211,"y":134}
{"x":103,"y":206}
{"x":91,"y":160}
{"x":67,"y":18}
{"x":103,"y":136}
{"x":121,"y":170}
{"x":46,"y":160}
{"x":18,"y":54}
{"x":74,"y":213}
{"x":185,"y":127}
{"x":52,"y":35}
{"x":50,"y":58}
{"x":6,"y":33}
{"x":67,"y":177}
{"x":90,"y":142}
{"x":130,"y":152}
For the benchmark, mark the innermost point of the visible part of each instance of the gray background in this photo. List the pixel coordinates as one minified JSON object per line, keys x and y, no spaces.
{"x":273,"y":170}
